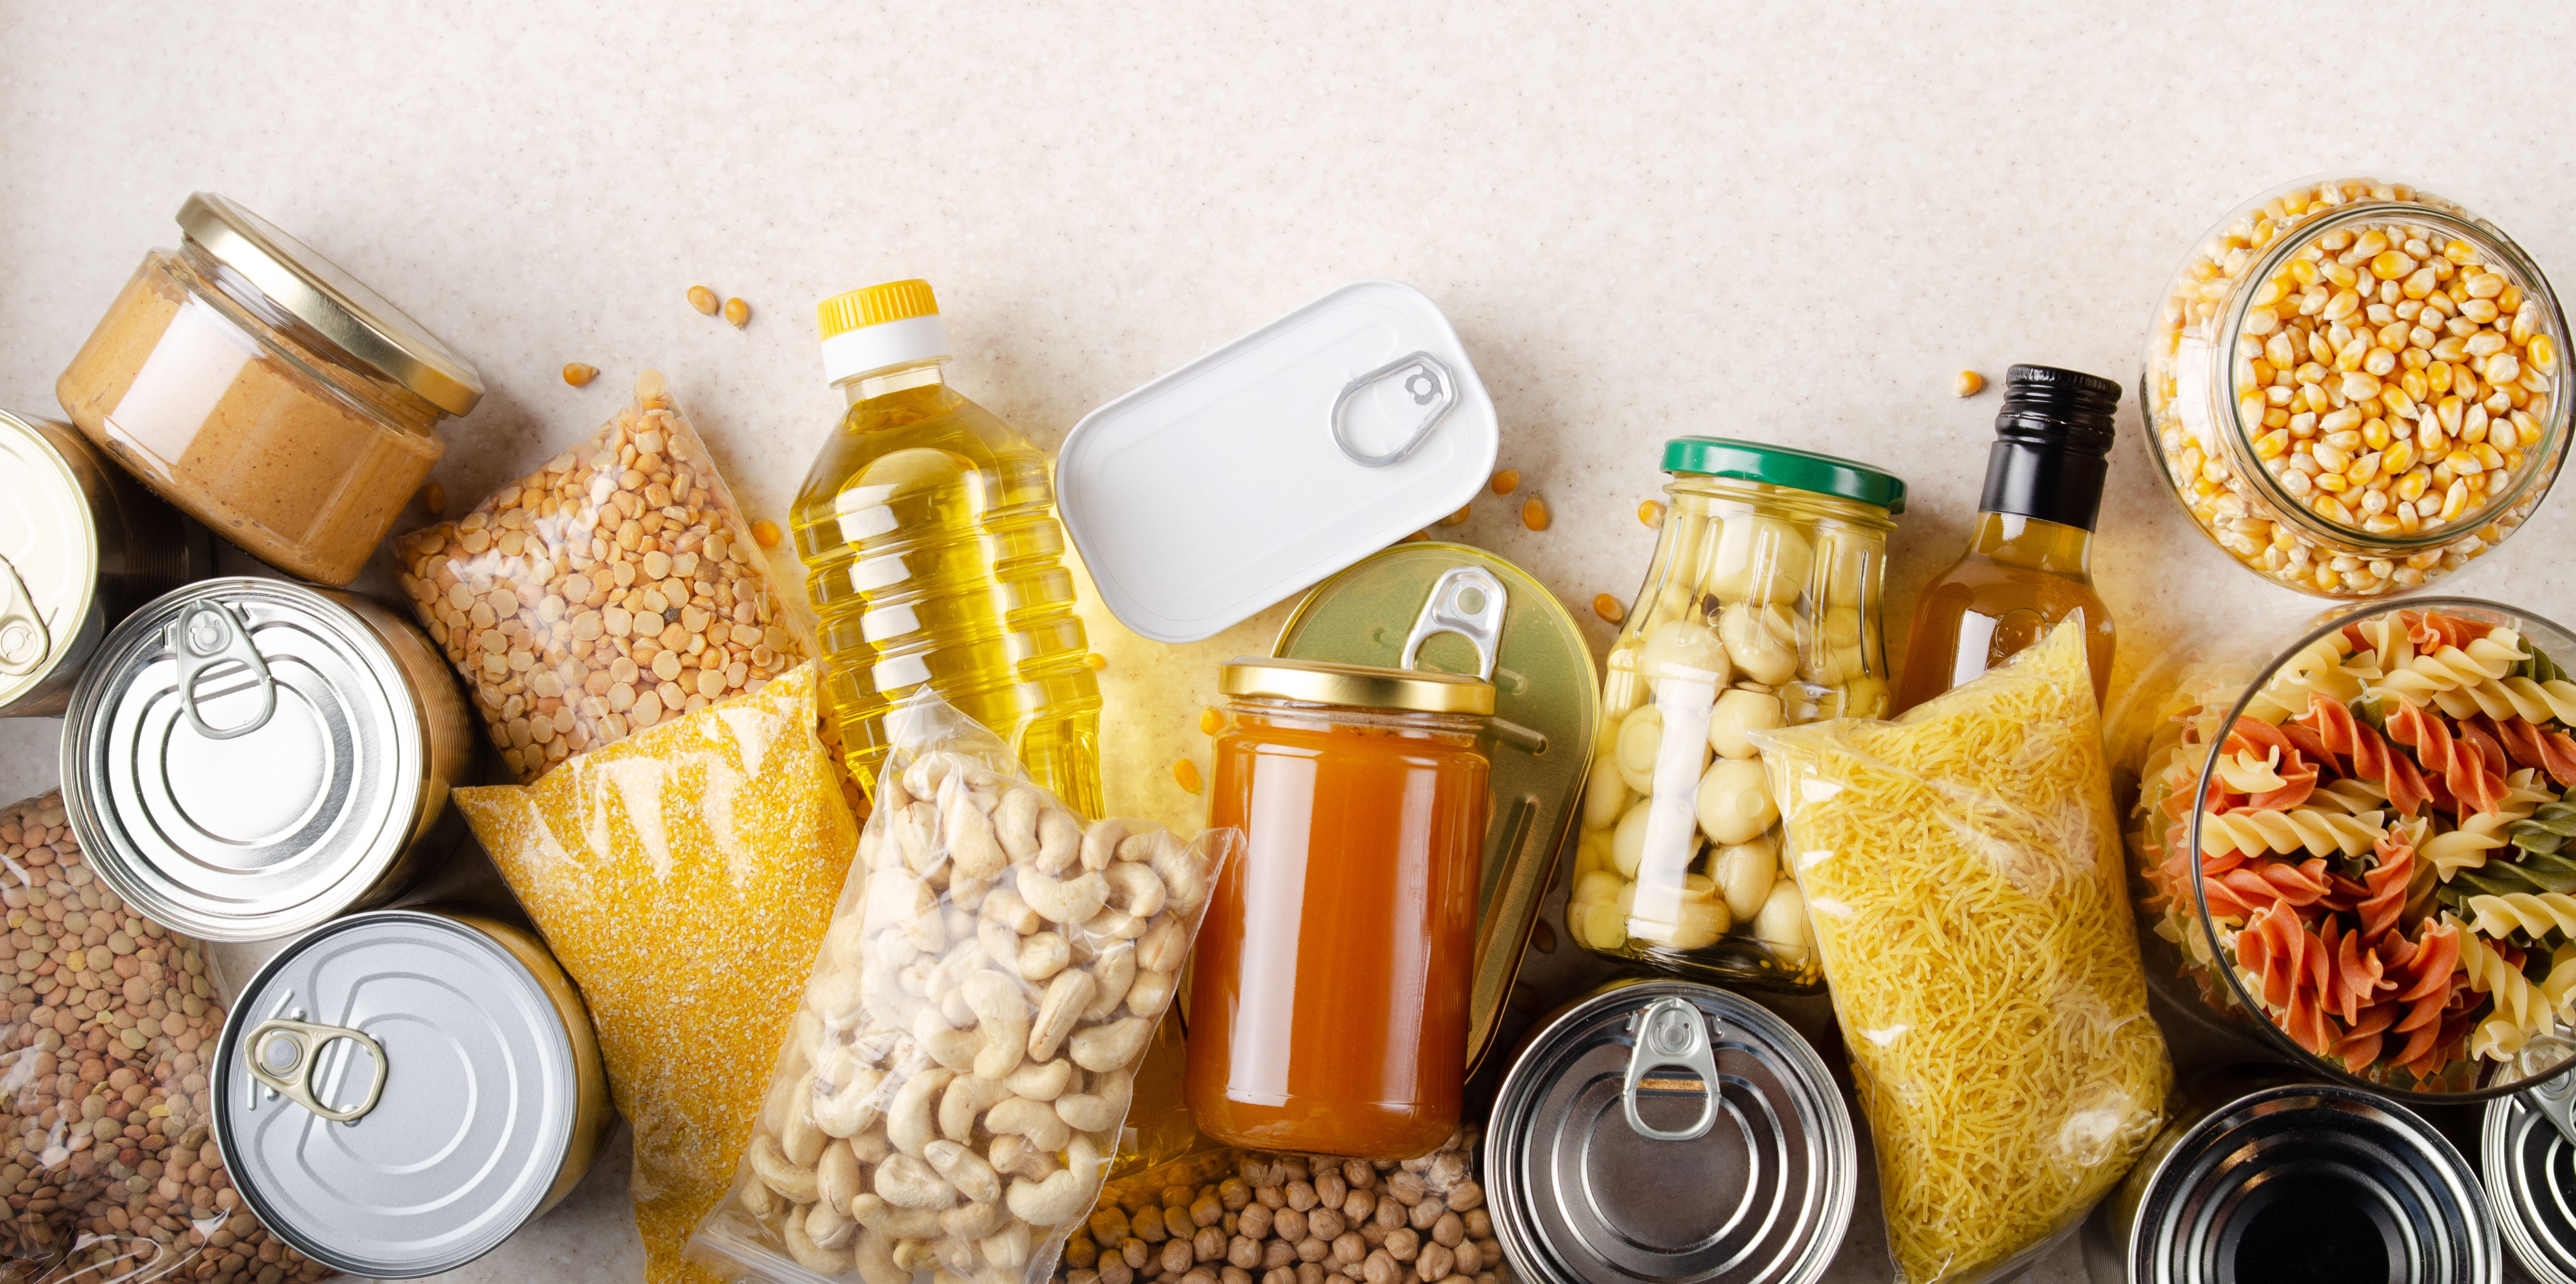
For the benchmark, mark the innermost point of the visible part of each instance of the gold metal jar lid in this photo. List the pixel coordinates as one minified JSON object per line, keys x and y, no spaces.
{"x":1358,"y":686}
{"x":343,"y":309}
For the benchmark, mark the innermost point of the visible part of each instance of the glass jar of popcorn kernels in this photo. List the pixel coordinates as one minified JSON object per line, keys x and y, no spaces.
{"x":2354,"y":386}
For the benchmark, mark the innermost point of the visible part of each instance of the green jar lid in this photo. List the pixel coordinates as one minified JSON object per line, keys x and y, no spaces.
{"x":1781,"y":466}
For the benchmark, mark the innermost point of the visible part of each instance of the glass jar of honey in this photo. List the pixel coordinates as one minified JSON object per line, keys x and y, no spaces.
{"x":1330,"y":1008}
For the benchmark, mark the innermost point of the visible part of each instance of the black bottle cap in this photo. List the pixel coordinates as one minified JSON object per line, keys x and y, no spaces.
{"x":2052,"y":447}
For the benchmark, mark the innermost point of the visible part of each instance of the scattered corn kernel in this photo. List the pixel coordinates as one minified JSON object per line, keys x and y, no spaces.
{"x":1651,"y":513}
{"x":737,"y":312}
{"x":1507,"y":481}
{"x":433,"y":499}
{"x":1608,"y":608}
{"x":579,"y":375}
{"x":703,"y":299}
{"x":1534,"y":513}
{"x":764,"y":532}
{"x":1459,"y":517}
{"x":1210,"y":720}
{"x":1186,"y":774}
{"x":1968,"y":384}
{"x":1094,"y":660}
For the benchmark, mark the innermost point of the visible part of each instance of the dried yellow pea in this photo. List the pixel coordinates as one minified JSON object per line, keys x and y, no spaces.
{"x":1968,"y":384}
{"x":737,"y":312}
{"x":703,"y":299}
{"x":1507,"y":481}
{"x":1534,"y":513}
{"x":1186,"y":774}
{"x":1608,"y":608}
{"x":764,"y":532}
{"x":579,"y":375}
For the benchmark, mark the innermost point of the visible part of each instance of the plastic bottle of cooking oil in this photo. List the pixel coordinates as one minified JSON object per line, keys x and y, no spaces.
{"x":932,"y":554}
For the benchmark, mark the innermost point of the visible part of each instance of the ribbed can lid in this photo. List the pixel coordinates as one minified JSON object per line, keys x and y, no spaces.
{"x":49,"y":558}
{"x":2530,"y":1172}
{"x":439,"y":1091}
{"x":1669,"y":1132}
{"x":243,"y":758}
{"x":1786,"y":466}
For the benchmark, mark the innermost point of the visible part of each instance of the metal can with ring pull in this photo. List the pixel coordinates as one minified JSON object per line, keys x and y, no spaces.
{"x":1673,"y":1132}
{"x":397,"y":1092}
{"x":2527,"y":1158}
{"x":246,"y":758}
{"x":81,"y":546}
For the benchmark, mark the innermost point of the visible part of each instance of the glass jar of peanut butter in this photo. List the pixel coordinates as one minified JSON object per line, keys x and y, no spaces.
{"x":266,"y":392}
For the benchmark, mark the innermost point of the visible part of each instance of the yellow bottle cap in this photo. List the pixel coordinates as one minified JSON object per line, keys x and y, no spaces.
{"x":875,"y":305}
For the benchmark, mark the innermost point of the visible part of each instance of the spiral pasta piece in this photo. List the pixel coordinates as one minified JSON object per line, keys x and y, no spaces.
{"x":2351,"y":795}
{"x":2309,"y":829}
{"x":2534,"y":914}
{"x":2363,"y":752}
{"x":2452,"y":669}
{"x":2317,"y":670}
{"x":2523,"y":1007}
{"x":2467,"y":846}
{"x":2464,"y":770}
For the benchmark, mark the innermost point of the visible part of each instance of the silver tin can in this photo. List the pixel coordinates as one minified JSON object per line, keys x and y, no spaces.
{"x":2530,"y":1171}
{"x":398,"y":1092}
{"x":81,"y":546}
{"x":1669,"y":1132}
{"x":2296,"y":1182}
{"x":247,"y":758}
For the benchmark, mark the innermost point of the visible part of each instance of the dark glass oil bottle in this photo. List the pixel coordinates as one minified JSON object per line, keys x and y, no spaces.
{"x":2028,"y":564}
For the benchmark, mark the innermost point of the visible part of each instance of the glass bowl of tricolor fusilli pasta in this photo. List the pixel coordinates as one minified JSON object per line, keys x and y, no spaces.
{"x":2367,"y":846}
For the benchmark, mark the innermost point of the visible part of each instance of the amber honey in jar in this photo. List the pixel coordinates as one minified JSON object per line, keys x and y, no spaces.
{"x":1330,"y":1007}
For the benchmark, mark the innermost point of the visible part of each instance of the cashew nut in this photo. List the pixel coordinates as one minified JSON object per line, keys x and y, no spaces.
{"x":1112,"y":924}
{"x":908,"y":1120}
{"x":873,"y":1253}
{"x":974,"y":1221}
{"x":852,"y":1105}
{"x":838,"y":1179}
{"x":871,"y":1146}
{"x":810,"y":1255}
{"x":956,"y":1261}
{"x":1059,"y":840}
{"x":1184,"y":873}
{"x":1139,"y":845}
{"x":874,"y":1213}
{"x":1135,"y":889}
{"x":1004,"y":906}
{"x":906,"y":1181}
{"x":1150,"y":992}
{"x":1007,"y":1247}
{"x":966,"y":1171}
{"x":999,"y":943}
{"x":775,"y":1171}
{"x":801,"y":1138}
{"x":1100,"y":846}
{"x":1041,"y":1081}
{"x":1112,"y":1046}
{"x":1070,"y":900}
{"x":1043,"y":955}
{"x":829,"y":1227}
{"x":1066,"y":996}
{"x":1001,"y":1022}
{"x":1012,"y":1153}
{"x":1164,"y":946}
{"x":1111,"y":974}
{"x":1035,"y":1120}
{"x":759,"y":1200}
{"x":953,"y":1049}
{"x":1015,"y":823}
{"x":914,"y":828}
{"x":844,"y":944}
{"x":1100,"y":1109}
{"x":835,"y":995}
{"x":968,"y":1096}
{"x":973,"y":849}
{"x":922,"y":777}
{"x":1064,"y":1196}
{"x":780,"y":1103}
{"x":911,"y":1256}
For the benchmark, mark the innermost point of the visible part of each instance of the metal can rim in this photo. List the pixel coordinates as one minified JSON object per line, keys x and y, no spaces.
{"x":76,"y":613}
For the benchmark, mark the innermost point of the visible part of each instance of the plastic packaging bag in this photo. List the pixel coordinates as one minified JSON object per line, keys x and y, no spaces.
{"x":684,"y":876}
{"x":109,"y":1167}
{"x":615,"y":588}
{"x":1964,"y":882}
{"x":954,"y":1103}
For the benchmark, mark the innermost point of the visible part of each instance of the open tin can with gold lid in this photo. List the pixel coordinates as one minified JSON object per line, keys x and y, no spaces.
{"x":246,"y":758}
{"x":1667,"y":1131}
{"x":398,"y":1092}
{"x":81,"y":546}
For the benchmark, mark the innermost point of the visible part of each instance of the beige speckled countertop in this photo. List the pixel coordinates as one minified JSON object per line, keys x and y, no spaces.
{"x":1787,"y":221}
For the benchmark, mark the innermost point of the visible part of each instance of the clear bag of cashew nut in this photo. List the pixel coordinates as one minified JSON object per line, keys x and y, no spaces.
{"x":954,"y":1084}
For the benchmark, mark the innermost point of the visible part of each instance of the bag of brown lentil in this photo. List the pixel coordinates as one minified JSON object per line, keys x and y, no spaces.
{"x":109,"y":1170}
{"x":613,"y":589}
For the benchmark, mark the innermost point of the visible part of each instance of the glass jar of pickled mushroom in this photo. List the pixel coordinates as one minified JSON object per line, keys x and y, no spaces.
{"x":2354,"y":386}
{"x":1760,"y":609}
{"x":2357,"y":843}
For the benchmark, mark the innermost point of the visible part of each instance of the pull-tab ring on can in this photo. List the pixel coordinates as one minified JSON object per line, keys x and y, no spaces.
{"x":294,"y":1078}
{"x":2553,"y":1099}
{"x":1427,"y":382}
{"x":1467,"y":601}
{"x":1671,"y":1032}
{"x":204,"y":636}
{"x":24,"y":640}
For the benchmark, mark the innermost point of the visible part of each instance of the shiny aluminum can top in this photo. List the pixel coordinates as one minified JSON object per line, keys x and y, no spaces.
{"x":1666,"y":1132}
{"x":246,"y":758}
{"x":2297,"y":1181}
{"x":397,"y":1092}
{"x":2530,"y":1171}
